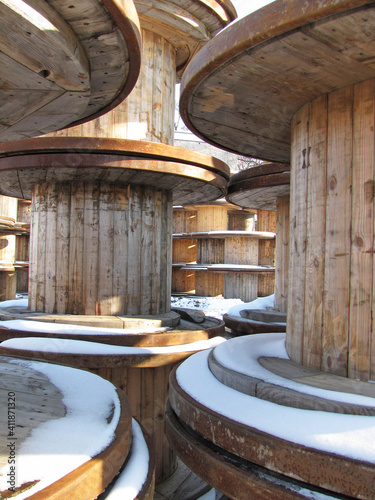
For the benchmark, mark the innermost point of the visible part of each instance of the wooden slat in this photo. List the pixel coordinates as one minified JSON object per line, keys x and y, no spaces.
{"x":338,"y":232}
{"x":298,"y":186}
{"x":282,"y":253}
{"x":315,"y":233}
{"x":362,"y":233}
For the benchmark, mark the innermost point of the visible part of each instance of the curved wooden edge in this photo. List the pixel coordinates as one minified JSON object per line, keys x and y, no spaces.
{"x":92,"y":477}
{"x":244,"y":326}
{"x":125,"y":17}
{"x":147,"y":490}
{"x":259,"y":171}
{"x":322,"y":469}
{"x":281,"y":395}
{"x":258,"y":182}
{"x":228,"y":474}
{"x":164,"y":339}
{"x":148,"y":487}
{"x":116,"y":147}
{"x":94,"y":361}
{"x":273,"y":20}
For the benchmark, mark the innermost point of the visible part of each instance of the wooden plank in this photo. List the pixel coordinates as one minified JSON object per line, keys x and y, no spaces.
{"x":315,"y":233}
{"x":62,"y":247}
{"x":50,"y":261}
{"x":298,"y":186}
{"x":105,"y":271}
{"x":91,"y":247}
{"x":362,"y":232}
{"x":293,"y":371}
{"x":212,"y":218}
{"x":338,"y":233}
{"x":120,"y":256}
{"x":282,"y":253}
{"x":76,"y":247}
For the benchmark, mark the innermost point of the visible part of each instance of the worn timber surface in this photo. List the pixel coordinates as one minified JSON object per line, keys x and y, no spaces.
{"x":63,"y":62}
{"x":242,"y":89}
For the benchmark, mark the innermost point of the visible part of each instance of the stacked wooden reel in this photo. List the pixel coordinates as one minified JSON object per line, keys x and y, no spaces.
{"x":74,"y":61}
{"x":218,"y":252}
{"x":293,"y":82}
{"x":267,"y":187}
{"x":8,"y":278}
{"x":101,"y":213}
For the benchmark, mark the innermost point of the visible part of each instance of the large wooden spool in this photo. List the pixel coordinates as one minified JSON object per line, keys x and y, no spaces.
{"x":64,"y":62}
{"x":95,"y":209}
{"x":171,"y":33}
{"x":295,"y":76}
{"x":33,"y":400}
{"x":329,"y":306}
{"x":212,"y":259}
{"x":8,"y":278}
{"x":266,"y":187}
{"x":143,"y":377}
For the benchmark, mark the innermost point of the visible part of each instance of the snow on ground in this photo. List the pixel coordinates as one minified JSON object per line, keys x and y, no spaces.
{"x":259,"y":303}
{"x":211,"y":306}
{"x":59,"y":446}
{"x":348,"y":435}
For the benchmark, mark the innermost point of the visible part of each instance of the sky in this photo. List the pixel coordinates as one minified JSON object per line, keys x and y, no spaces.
{"x":244,"y":7}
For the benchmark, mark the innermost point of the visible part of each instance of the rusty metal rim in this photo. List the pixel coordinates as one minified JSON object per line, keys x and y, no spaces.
{"x":272,"y":21}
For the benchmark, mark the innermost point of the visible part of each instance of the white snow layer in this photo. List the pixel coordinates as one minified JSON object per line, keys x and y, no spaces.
{"x":59,"y":446}
{"x":352,"y":436}
{"x":26,"y":325}
{"x":130,"y":481}
{"x":259,"y":303}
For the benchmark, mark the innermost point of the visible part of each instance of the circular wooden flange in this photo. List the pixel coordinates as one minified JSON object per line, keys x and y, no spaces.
{"x":186,"y":25}
{"x":191,"y":176}
{"x":314,"y":467}
{"x":89,"y":479}
{"x":242,"y":89}
{"x":73,"y":62}
{"x":259,"y":187}
{"x":237,"y":478}
{"x":248,"y":326}
{"x":211,"y":327}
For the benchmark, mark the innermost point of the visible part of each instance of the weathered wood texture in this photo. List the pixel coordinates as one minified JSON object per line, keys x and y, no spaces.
{"x":333,"y":472}
{"x":22,"y":246}
{"x":184,"y":221}
{"x":243,"y":88}
{"x":214,"y":244}
{"x":147,"y":114}
{"x":8,"y":282}
{"x":100,"y":249}
{"x":331,"y":259}
{"x":147,"y":391}
{"x":282,"y":253}
{"x":266,"y":221}
{"x":242,"y":220}
{"x":38,"y":401}
{"x":63,"y":62}
{"x":185,"y":25}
